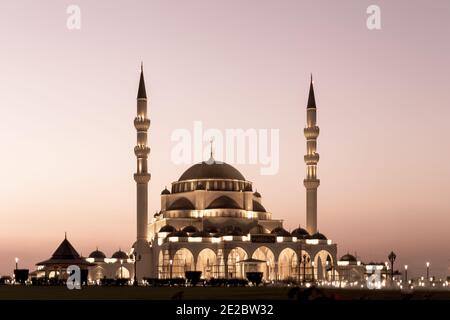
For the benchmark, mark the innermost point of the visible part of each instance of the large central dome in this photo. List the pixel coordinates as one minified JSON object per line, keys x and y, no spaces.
{"x":211,"y":169}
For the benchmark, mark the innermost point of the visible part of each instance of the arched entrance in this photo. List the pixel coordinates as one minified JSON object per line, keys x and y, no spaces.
{"x":98,"y":274}
{"x":287,"y":265}
{"x":183,"y":261}
{"x":235,"y":268}
{"x":122,"y":273}
{"x":207,"y":263}
{"x":323,"y":266}
{"x":268,"y":268}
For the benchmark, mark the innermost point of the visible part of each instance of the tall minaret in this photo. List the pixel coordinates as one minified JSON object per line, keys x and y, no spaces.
{"x":311,"y":182}
{"x":141,"y":150}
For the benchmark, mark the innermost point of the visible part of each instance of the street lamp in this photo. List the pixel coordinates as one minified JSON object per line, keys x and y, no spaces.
{"x":17,"y":262}
{"x":406,"y":273}
{"x":121,"y":269}
{"x":170,"y":270}
{"x":392,"y":256}
{"x":428,"y":271}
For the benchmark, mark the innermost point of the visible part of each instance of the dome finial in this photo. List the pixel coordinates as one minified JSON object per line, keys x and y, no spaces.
{"x":211,"y":141}
{"x":211,"y":153}
{"x":65,"y":235}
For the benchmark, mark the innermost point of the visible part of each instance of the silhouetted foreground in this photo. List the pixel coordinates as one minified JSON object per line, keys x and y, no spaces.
{"x":212,"y":293}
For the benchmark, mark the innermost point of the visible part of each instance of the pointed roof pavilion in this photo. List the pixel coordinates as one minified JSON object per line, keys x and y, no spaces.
{"x":64,"y":256}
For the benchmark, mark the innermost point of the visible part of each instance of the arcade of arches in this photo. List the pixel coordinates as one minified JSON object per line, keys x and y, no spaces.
{"x":286,"y":265}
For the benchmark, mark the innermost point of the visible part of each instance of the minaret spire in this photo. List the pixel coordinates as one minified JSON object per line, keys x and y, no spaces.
{"x":142,"y":94}
{"x":311,"y":158}
{"x":311,"y":98}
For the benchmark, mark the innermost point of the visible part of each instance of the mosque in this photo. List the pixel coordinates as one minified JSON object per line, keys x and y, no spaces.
{"x":212,"y":221}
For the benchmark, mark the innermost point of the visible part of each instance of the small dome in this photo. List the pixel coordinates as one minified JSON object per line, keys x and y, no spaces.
{"x":300,"y":233}
{"x":167,"y":228}
{"x":223,"y":202}
{"x":348,"y":257}
{"x":181,"y":204}
{"x":279,"y":231}
{"x":97,"y":254}
{"x":190,"y":229}
{"x":201,"y":234}
{"x":257,"y":194}
{"x":179,"y":233}
{"x":318,"y":236}
{"x":120,"y":255}
{"x":258,"y":207}
{"x":165,"y":191}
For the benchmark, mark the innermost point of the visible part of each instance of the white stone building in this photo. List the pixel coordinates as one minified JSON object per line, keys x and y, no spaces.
{"x":212,"y":221}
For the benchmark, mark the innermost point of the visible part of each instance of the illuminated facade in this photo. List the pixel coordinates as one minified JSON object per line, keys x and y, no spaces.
{"x":212,"y":221}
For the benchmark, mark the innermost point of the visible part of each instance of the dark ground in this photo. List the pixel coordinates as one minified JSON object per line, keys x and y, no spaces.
{"x":210,"y":293}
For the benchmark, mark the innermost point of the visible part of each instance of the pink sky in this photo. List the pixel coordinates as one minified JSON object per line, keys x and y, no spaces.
{"x":67,"y":103}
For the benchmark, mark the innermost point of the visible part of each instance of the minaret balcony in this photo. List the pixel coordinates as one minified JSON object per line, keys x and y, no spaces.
{"x":141,"y":151}
{"x":141,"y":178}
{"x":311,"y":159}
{"x":141,"y":123}
{"x":311,"y":132}
{"x":311,"y":183}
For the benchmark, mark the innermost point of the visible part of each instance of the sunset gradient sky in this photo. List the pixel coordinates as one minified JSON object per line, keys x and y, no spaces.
{"x":67,"y":103}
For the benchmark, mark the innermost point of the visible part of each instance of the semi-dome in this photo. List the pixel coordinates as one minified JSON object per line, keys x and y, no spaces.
{"x":318,"y":236}
{"x":258,"y":207}
{"x":257,"y":194}
{"x":167,"y":228}
{"x":300,"y":233}
{"x":97,"y":254}
{"x":211,"y":169}
{"x":224,"y":202}
{"x":348,"y":257}
{"x":190,"y":229}
{"x":120,"y":255}
{"x":279,"y":231}
{"x":181,"y":204}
